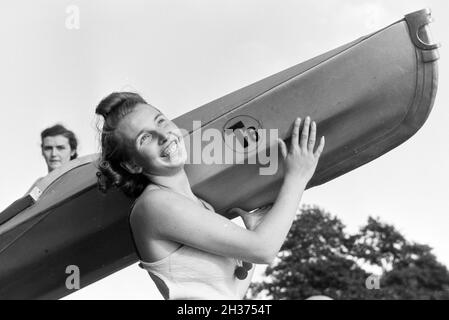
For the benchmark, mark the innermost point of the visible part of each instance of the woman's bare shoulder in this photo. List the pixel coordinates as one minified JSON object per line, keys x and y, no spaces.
{"x":147,"y":195}
{"x":152,"y":202}
{"x":145,"y":232}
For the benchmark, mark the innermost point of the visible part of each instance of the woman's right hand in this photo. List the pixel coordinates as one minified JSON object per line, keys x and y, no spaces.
{"x":300,"y":160}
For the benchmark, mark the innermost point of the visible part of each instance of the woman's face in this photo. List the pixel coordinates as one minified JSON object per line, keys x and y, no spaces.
{"x":56,"y":151}
{"x":154,"y":142}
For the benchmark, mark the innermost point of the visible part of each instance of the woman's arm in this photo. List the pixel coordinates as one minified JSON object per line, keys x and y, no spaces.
{"x":300,"y":165}
{"x":167,"y":215}
{"x":170,"y":216}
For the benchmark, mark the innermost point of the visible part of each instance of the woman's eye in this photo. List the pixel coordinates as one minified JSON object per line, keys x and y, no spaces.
{"x":160,"y":120}
{"x":145,"y":137}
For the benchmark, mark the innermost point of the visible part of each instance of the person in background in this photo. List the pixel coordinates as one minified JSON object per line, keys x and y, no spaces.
{"x":58,"y":146}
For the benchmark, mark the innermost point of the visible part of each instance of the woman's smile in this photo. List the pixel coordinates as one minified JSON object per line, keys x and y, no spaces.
{"x":171,"y":149}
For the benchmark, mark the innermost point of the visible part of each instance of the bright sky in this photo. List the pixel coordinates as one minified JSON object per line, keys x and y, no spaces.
{"x":182,"y":54}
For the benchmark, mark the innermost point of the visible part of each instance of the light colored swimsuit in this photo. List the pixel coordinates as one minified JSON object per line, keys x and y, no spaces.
{"x":190,"y":273}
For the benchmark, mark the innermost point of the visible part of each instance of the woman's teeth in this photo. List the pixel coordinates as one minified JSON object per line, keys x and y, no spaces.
{"x":170,"y":149}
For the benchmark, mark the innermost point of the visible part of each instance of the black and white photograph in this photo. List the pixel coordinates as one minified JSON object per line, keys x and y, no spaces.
{"x":239,"y":150}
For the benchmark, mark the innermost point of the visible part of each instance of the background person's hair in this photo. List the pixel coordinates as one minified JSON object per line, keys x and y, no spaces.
{"x":60,"y":130}
{"x":113,"y":109}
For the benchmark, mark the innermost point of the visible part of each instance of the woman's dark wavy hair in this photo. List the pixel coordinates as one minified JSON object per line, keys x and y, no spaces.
{"x":113,"y":109}
{"x":60,"y":130}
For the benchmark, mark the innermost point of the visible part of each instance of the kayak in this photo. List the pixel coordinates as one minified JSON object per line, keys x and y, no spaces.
{"x":367,"y":97}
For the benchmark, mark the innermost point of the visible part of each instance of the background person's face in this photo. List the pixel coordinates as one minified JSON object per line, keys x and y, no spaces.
{"x":56,"y":151}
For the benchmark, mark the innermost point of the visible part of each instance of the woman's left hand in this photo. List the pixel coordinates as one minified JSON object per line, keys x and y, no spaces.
{"x":253,"y":218}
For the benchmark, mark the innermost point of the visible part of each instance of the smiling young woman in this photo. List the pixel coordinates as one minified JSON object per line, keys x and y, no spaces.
{"x":190,"y":251}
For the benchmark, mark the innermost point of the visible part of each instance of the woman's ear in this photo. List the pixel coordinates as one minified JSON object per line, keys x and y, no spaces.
{"x":131,"y":167}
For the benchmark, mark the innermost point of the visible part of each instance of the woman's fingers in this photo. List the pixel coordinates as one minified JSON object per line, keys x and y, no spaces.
{"x":295,"y":134}
{"x":283,"y":148}
{"x":312,"y":137}
{"x":306,"y":141}
{"x":305,"y":134}
{"x":320,"y":147}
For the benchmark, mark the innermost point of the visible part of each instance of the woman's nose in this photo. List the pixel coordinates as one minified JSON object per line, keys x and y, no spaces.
{"x":163,"y":137}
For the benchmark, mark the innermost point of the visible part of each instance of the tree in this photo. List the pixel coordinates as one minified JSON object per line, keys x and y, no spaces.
{"x":319,"y":258}
{"x":410,"y":270}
